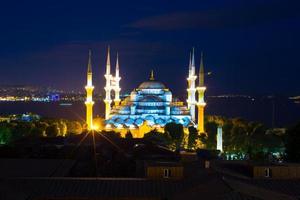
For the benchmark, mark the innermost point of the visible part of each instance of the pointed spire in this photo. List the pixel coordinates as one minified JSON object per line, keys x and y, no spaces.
{"x":108,"y":61}
{"x":190,"y":64}
{"x":117,"y":65}
{"x":152,"y":76}
{"x":193,"y":58}
{"x":190,"y":61}
{"x":90,"y":62}
{"x":201,"y":72}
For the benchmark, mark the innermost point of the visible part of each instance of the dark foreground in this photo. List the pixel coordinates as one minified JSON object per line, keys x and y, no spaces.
{"x":116,"y":168}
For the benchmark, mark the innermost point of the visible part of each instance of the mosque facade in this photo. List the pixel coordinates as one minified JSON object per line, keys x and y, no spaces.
{"x":152,"y":104}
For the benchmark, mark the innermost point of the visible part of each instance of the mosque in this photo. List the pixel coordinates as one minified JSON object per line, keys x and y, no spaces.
{"x":151,"y":105}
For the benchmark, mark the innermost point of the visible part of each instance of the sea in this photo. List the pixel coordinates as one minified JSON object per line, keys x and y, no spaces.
{"x":273,"y":112}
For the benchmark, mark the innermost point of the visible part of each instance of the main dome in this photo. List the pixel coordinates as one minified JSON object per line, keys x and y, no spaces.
{"x":152,"y":85}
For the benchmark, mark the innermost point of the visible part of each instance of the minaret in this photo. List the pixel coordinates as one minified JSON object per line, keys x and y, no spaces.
{"x":89,"y":94}
{"x":108,"y":87}
{"x":117,"y":79}
{"x":191,"y":101}
{"x":201,"y":103}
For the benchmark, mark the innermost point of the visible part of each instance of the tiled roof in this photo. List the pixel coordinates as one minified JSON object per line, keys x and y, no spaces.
{"x":34,"y":167}
{"x":288,"y":187}
{"x":209,"y":187}
{"x":90,"y":187}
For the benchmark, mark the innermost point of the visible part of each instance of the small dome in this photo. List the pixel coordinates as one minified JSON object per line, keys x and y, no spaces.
{"x":152,"y":85}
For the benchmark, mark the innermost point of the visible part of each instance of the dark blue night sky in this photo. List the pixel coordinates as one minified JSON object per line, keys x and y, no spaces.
{"x":252,"y":47}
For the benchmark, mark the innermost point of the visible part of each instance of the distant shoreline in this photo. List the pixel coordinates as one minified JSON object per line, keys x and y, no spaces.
{"x":286,"y":112}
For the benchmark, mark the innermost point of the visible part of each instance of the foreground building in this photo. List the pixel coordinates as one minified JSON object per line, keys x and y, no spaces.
{"x":152,"y":104}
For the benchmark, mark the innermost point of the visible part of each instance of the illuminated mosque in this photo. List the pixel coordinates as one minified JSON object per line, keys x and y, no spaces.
{"x":150,"y":106}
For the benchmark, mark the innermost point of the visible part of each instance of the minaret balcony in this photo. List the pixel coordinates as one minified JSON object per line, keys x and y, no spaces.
{"x":117,"y":78}
{"x":108,"y":76}
{"x":191,"y":102}
{"x":89,"y":87}
{"x":107,"y":101}
{"x":89,"y":102}
{"x":192,"y":78}
{"x":202,"y":104}
{"x":108,"y":88}
{"x":202,"y":88}
{"x":191,"y":89}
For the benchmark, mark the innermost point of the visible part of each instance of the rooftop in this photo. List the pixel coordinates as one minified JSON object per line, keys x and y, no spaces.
{"x":152,"y":85}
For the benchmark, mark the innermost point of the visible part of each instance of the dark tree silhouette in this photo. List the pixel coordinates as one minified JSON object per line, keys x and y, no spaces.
{"x":158,"y":138}
{"x":292,"y":144}
{"x":128,"y":135}
{"x":176,"y":133}
{"x":52,"y":130}
{"x":193,"y":135}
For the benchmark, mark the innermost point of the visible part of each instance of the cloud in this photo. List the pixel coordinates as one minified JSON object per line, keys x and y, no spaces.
{"x":226,"y":17}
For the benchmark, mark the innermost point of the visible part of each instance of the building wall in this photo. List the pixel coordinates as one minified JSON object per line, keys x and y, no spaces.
{"x":157,"y":172}
{"x":277,"y":172}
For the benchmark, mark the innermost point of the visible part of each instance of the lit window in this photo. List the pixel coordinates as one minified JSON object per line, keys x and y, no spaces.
{"x":167,"y":173}
{"x":268,"y":172}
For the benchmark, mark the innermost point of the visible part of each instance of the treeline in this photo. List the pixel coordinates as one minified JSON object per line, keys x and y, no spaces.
{"x":175,"y":138}
{"x":14,"y":130}
{"x":240,"y":138}
{"x":243,"y":138}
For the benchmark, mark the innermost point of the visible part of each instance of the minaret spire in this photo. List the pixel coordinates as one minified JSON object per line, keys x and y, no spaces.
{"x":116,"y":86}
{"x":191,"y":100}
{"x":201,"y":102}
{"x":193,"y":58}
{"x":108,"y":86}
{"x":89,"y":94}
{"x":90,"y":62}
{"x":201,"y":72}
{"x":108,"y":61}
{"x":152,"y":76}
{"x":190,"y":64}
{"x":117,"y":65}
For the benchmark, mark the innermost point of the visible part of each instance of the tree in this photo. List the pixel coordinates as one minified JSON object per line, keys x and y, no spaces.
{"x":210,"y":141}
{"x":227,"y":126}
{"x":62,"y":128}
{"x":158,"y":138}
{"x":274,"y":143}
{"x":241,"y":137}
{"x":36,"y":131}
{"x":128,"y":135}
{"x":292,"y":144}
{"x":193,"y":136}
{"x":73,"y":127}
{"x":5,"y":133}
{"x":110,"y":134}
{"x":21,"y":129}
{"x":52,"y":130}
{"x":176,"y":133}
{"x":42,"y":126}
